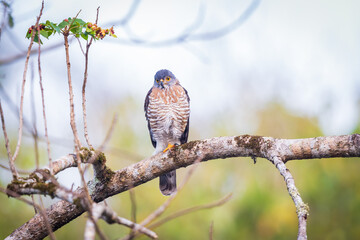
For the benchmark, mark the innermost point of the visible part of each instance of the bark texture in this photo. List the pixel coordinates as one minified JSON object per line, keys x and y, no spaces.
{"x":108,"y":183}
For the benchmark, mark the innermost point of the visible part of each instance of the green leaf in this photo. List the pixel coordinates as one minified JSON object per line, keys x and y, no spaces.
{"x":53,"y":26}
{"x":44,"y":33}
{"x":85,"y":36}
{"x":63,"y":24}
{"x":10,"y":20}
{"x":80,"y":21}
{"x":76,"y":29}
{"x":49,"y":31}
{"x":36,"y":39}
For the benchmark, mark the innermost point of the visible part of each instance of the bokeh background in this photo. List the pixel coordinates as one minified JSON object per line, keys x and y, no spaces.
{"x":290,"y":69}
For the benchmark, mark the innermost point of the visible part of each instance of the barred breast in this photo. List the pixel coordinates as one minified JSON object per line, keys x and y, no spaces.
{"x":168,"y":113}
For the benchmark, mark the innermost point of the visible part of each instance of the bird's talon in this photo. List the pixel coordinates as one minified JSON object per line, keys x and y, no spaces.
{"x":170,"y":146}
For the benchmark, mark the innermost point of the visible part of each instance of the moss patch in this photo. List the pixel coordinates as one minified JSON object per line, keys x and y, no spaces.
{"x":189,"y":145}
{"x":250,"y":142}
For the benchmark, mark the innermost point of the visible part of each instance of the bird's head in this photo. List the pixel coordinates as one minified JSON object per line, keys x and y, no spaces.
{"x":164,"y":79}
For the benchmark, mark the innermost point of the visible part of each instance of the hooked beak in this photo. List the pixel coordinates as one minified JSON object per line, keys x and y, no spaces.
{"x":162,"y":83}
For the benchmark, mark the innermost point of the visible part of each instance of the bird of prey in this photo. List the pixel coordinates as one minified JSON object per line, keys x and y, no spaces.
{"x":167,"y":111}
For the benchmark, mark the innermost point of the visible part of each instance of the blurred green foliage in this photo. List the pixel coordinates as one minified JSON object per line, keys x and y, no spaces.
{"x":260,"y":208}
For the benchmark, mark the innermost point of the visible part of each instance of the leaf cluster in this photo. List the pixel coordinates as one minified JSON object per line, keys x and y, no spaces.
{"x":70,"y":26}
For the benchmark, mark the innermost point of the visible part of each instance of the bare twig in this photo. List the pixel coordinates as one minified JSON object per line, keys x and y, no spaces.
{"x":71,"y":94}
{"x":46,"y":219}
{"x":17,"y":169}
{"x":33,"y":113}
{"x":302,"y":209}
{"x":111,"y":217}
{"x":90,"y":227}
{"x":23,"y":88}
{"x":18,"y":196}
{"x":211,"y":230}
{"x":133,"y":204}
{"x":43,"y":104}
{"x":183,"y":212}
{"x":102,"y":146}
{"x":11,"y":162}
{"x":88,"y":44}
{"x":104,"y":212}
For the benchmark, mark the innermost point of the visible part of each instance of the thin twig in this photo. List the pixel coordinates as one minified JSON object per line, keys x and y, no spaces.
{"x":71,"y":94}
{"x":81,"y":48}
{"x":302,"y":209}
{"x":11,"y":163}
{"x":18,"y":196}
{"x":133,"y":205}
{"x":33,"y":113}
{"x":211,"y":230}
{"x":46,"y":219}
{"x":23,"y":88}
{"x":111,"y":217}
{"x":88,"y":44}
{"x":183,"y":212}
{"x":90,"y":227}
{"x":43,"y":105}
{"x":102,"y":146}
{"x":18,"y":170}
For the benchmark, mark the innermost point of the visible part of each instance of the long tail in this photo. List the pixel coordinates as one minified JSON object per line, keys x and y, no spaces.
{"x":167,"y":183}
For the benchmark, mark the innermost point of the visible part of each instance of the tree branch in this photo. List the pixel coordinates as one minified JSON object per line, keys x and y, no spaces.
{"x":110,"y":183}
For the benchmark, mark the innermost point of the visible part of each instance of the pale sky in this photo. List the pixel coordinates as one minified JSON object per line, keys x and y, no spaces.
{"x":303,"y":54}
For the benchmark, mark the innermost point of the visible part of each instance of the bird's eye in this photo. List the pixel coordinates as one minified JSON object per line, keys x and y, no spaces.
{"x":167,"y":78}
{"x":157,"y":80}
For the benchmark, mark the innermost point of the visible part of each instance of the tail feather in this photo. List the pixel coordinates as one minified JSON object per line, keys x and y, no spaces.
{"x":167,"y":183}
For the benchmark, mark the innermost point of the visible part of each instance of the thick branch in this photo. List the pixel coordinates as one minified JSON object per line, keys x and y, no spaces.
{"x":184,"y":155}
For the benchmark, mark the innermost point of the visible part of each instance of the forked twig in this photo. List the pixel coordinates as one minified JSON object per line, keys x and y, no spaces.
{"x":108,"y":215}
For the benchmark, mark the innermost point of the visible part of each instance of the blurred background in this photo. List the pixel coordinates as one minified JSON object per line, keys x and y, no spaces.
{"x":272,"y":68}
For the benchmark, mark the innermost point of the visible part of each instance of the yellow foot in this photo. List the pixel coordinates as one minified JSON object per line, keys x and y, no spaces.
{"x":170,"y":146}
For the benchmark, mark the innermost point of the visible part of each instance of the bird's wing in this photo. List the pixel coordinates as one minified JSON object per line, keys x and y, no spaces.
{"x":146,"y":106}
{"x":184,"y":136}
